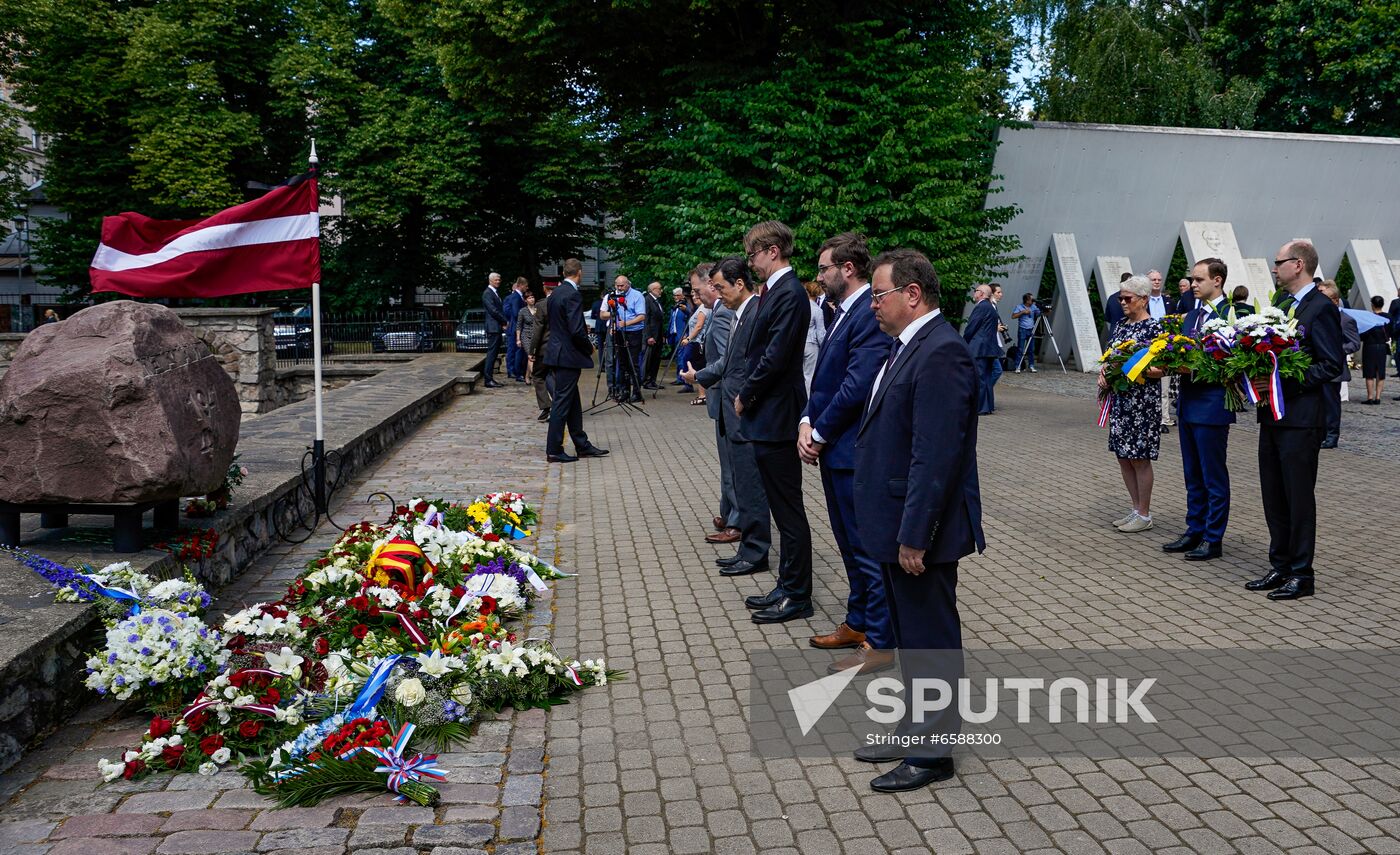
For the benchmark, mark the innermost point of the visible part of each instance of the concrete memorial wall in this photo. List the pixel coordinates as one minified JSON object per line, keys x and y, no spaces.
{"x":1373,"y":275}
{"x":1108,"y":271}
{"x":1073,"y":318}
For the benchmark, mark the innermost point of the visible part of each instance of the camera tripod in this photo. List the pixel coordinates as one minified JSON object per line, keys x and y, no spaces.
{"x":627,"y":377}
{"x":1042,"y":327}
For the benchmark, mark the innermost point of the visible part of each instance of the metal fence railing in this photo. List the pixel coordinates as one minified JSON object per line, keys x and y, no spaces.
{"x":347,"y":337}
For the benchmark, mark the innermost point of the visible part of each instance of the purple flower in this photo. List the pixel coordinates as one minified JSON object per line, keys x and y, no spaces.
{"x":58,"y":575}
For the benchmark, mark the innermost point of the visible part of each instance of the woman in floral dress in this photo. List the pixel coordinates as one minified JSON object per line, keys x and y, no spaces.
{"x":1135,"y":416}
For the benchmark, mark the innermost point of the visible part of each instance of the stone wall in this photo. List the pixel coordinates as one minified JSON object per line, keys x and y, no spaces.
{"x":242,"y":340}
{"x":9,"y":343}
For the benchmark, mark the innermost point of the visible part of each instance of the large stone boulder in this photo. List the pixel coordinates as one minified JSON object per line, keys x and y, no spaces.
{"x":119,"y":403}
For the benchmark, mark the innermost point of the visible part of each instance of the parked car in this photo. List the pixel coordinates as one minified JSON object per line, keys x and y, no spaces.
{"x":292,"y":336}
{"x":471,"y":331}
{"x":404,"y":331}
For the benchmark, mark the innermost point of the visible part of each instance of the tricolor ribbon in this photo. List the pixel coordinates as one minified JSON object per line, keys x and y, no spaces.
{"x":515,"y":533}
{"x":373,"y":689}
{"x":401,"y":769}
{"x":200,"y":706}
{"x":412,"y":629}
{"x":573,"y":675}
{"x":1275,"y":388}
{"x":399,"y":556}
{"x":1104,"y":409}
{"x":113,"y":593}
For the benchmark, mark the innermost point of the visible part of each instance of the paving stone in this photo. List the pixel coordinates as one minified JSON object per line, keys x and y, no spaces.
{"x":312,"y":817}
{"x":397,"y":815}
{"x":164,"y":802}
{"x":377,"y":837}
{"x":103,"y":825}
{"x":469,"y":834}
{"x":202,"y":842}
{"x":519,"y":823}
{"x":105,"y":846}
{"x":302,"y":838}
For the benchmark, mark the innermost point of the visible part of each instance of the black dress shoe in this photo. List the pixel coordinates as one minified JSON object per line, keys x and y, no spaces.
{"x":1205,"y":552}
{"x":905,"y":777}
{"x":784,"y":610}
{"x":1295,"y":587}
{"x":727,"y":562}
{"x":1185,"y":543}
{"x":880,"y":753}
{"x":1268,"y":583}
{"x":593,"y":451}
{"x":744,"y":568}
{"x":763,"y":601}
{"x":492,"y":384}
{"x":1329,"y":442}
{"x":561,"y":458}
{"x":543,"y":416}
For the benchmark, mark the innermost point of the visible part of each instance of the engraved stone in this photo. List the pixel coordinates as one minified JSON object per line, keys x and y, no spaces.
{"x":118,"y":403}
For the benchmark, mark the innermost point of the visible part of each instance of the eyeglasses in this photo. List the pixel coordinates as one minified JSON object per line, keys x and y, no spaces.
{"x":1127,"y":298}
{"x":1279,"y":262}
{"x":877,"y":296}
{"x":822,"y":268}
{"x":750,"y":255}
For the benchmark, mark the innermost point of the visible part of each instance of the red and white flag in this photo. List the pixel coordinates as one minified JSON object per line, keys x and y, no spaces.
{"x":272,"y":243}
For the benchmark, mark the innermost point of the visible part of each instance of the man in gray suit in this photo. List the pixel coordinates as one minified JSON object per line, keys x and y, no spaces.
{"x":716,"y":337}
{"x":731,"y":278}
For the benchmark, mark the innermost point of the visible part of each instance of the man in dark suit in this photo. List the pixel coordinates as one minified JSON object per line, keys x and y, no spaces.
{"x":1188,"y":301}
{"x":769,"y":405}
{"x":1113,"y":312}
{"x":567,"y":350}
{"x":719,"y":327}
{"x":1351,"y":343}
{"x":916,"y":488}
{"x":495,"y":326}
{"x":731,"y":278}
{"x":1394,"y":314}
{"x":851,"y":353}
{"x":1204,"y":429}
{"x":511,"y":306}
{"x":980,"y":333}
{"x":655,"y":333}
{"x":1288,"y":447}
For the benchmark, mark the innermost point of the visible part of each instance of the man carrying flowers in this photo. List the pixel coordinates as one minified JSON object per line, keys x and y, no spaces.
{"x":1288,"y":445}
{"x":1203,"y":425}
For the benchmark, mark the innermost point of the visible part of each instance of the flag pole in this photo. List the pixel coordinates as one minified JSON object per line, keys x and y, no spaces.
{"x":318,"y":448}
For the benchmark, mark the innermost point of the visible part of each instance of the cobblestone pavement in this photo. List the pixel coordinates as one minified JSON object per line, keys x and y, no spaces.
{"x":659,"y":763}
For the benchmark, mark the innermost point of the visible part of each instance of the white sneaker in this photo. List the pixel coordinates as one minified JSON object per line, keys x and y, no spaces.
{"x":1018,"y":371}
{"x":1032,"y":369}
{"x":1119,"y":523}
{"x":1136,"y":524}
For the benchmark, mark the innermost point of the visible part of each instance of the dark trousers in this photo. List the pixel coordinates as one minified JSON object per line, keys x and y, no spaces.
{"x":866,"y":608}
{"x":515,"y":354}
{"x":728,"y":503}
{"x":1025,"y":348}
{"x":493,"y":350}
{"x":781,"y":471}
{"x":566,"y":411}
{"x":924,"y":617}
{"x":755,"y":528}
{"x":988,"y":372}
{"x":651,"y":363}
{"x":541,"y":378}
{"x":1332,"y":404}
{"x":627,"y":362}
{"x":1207,"y":479}
{"x":1288,"y":480}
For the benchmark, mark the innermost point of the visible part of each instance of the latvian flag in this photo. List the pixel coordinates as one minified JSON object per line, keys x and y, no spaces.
{"x":269,"y":244}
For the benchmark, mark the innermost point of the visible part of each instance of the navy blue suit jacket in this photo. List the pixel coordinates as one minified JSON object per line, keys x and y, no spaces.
{"x":980,"y":331}
{"x":512,"y":306}
{"x":774,"y":390}
{"x":1113,"y":313}
{"x":495,"y":312}
{"x":567,"y":345}
{"x":1202,"y":403}
{"x":916,"y":453}
{"x":849,"y":359}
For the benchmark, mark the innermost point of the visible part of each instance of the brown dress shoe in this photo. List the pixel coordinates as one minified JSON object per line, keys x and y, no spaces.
{"x":729,"y":535}
{"x":719,"y":523}
{"x":844,"y":636}
{"x":868,"y":658}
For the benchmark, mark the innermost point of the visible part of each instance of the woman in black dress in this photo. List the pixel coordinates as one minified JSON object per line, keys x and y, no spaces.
{"x":1135,"y":416}
{"x":1375,"y":344}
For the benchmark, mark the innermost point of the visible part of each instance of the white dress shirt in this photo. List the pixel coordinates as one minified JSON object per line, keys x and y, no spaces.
{"x":904,"y":339}
{"x":846,"y":306}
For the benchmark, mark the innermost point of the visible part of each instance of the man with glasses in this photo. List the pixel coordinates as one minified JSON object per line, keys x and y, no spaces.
{"x":769,"y":405}
{"x":920,"y":506}
{"x":1204,"y":430}
{"x":980,"y":333}
{"x":1288,"y":447}
{"x":630,"y":312}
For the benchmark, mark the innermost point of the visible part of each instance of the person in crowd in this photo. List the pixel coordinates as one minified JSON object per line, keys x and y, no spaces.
{"x":693,"y":345}
{"x":496,"y":323}
{"x":628,"y":329}
{"x":524,"y":322}
{"x":1239,"y":299}
{"x":1159,"y":305}
{"x":719,"y":329}
{"x":1351,"y":343}
{"x":511,"y":306}
{"x":675,"y":329}
{"x":1187,"y":301}
{"x":50,"y":316}
{"x":852,"y":351}
{"x":1025,"y":316}
{"x":919,"y":502}
{"x":654,"y":336}
{"x":1394,"y":315}
{"x":534,"y":347}
{"x":1113,"y":311}
{"x":769,"y":405}
{"x":1204,"y":430}
{"x":732,"y":279}
{"x":980,"y":333}
{"x":1288,"y":447}
{"x":1375,"y":347}
{"x":1135,"y":416}
{"x":567,"y":351}
{"x":816,"y":331}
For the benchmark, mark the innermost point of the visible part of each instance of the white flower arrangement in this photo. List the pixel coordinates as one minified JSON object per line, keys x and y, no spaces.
{"x":154,"y":648}
{"x":253,"y":623}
